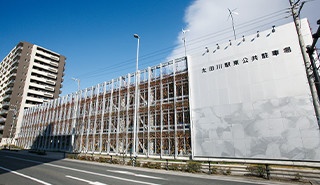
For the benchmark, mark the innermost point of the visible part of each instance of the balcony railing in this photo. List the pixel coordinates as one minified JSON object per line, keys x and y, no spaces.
{"x":2,"y":120}
{"x":7,"y":97}
{"x":3,"y":112}
{"x":8,"y":90}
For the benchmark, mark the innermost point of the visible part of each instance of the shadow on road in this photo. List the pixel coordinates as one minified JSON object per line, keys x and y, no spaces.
{"x":41,"y":152}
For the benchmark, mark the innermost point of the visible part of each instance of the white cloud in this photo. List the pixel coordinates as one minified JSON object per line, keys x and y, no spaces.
{"x":205,"y":17}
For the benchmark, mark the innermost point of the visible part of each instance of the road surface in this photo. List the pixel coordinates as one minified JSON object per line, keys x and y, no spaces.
{"x":23,"y":168}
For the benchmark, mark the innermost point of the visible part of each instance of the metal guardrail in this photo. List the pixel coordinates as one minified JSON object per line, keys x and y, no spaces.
{"x":267,"y":171}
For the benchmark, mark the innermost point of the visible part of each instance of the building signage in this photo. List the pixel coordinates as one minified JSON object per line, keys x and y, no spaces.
{"x":252,"y":99}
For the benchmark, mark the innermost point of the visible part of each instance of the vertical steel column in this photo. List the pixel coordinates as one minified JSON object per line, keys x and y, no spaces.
{"x":47,"y":124}
{"x":127,"y":112}
{"x":95,"y":119}
{"x":25,"y":123}
{"x":64,"y":121}
{"x":67,"y":130}
{"x":161,"y":112}
{"x":30,"y":128}
{"x":89,"y":120}
{"x":175,"y":110}
{"x":38,"y":136}
{"x":102,"y":114}
{"x":54,"y":112}
{"x":118,"y":115}
{"x":33,"y":125}
{"x":110,"y":117}
{"x":75,"y":118}
{"x":149,"y":102}
{"x":83,"y":120}
{"x":135,"y":115}
{"x":57,"y":124}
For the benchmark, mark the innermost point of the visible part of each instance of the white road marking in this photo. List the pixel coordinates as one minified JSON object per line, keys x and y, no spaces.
{"x":26,"y":176}
{"x":84,"y":171}
{"x":137,"y":175}
{"x":83,"y":180}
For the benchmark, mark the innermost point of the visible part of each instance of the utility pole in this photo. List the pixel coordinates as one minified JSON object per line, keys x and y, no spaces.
{"x":306,"y":60}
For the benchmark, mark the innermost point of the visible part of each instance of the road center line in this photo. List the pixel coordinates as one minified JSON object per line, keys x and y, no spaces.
{"x":83,"y":171}
{"x":25,"y":176}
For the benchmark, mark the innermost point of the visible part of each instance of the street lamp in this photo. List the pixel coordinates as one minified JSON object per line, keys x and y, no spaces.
{"x":184,"y":41}
{"x":136,"y":101}
{"x":77,"y":80}
{"x":136,"y":36}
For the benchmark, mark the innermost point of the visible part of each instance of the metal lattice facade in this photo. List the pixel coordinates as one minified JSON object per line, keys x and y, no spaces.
{"x":101,"y":119}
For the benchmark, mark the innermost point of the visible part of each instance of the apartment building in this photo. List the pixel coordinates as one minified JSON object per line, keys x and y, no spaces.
{"x":29,"y":75}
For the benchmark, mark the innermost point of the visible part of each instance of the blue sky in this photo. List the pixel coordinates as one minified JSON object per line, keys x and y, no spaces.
{"x":97,"y":36}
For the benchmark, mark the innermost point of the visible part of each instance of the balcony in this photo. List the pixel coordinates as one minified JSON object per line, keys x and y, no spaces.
{"x":7,"y":97}
{"x":18,"y":54}
{"x":6,"y":105}
{"x":14,"y":69}
{"x":33,"y":99}
{"x":8,"y":90}
{"x":46,"y":67}
{"x":44,"y":74}
{"x":41,"y":86}
{"x":28,"y":105}
{"x":10,"y":83}
{"x":44,"y":80}
{"x":40,"y":93}
{"x":3,"y":112}
{"x":46,"y":61}
{"x":48,"y":55}
{"x":12,"y":76}
{"x":2,"y":120}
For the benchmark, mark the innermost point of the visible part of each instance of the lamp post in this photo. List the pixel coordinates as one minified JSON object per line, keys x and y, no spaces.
{"x":77,"y":80}
{"x":184,"y":41}
{"x":136,"y":101}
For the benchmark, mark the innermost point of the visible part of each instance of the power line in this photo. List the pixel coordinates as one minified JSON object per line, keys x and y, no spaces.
{"x":162,"y":52}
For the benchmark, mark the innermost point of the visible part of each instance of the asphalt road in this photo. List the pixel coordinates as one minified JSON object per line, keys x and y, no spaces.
{"x":22,"y":168}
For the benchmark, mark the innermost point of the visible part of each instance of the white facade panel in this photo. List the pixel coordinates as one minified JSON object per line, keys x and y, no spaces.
{"x":251,"y":99}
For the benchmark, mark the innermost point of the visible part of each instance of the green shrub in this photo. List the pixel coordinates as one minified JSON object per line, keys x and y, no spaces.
{"x":184,"y":168}
{"x":89,"y":158}
{"x":174,"y":167}
{"x":103,"y":160}
{"x":228,"y":171}
{"x":138,"y":164}
{"x":213,"y":170}
{"x":81,"y":157}
{"x":193,"y":167}
{"x":157,"y":166}
{"x":70,"y":156}
{"x":258,"y":170}
{"x":115,"y":161}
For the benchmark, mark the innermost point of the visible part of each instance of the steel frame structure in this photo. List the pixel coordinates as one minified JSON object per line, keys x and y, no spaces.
{"x":100,"y":119}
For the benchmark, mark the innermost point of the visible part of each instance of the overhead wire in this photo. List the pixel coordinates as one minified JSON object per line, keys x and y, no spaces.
{"x":145,"y":59}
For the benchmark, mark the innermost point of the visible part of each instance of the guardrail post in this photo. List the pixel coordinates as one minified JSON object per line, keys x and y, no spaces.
{"x":268,"y":171}
{"x":134,"y":159}
{"x":209,"y":172}
{"x":167,"y":165}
